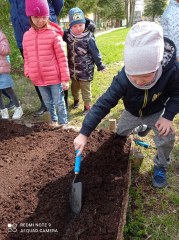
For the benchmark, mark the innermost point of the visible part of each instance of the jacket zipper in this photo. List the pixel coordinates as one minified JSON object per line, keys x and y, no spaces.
{"x":38,"y":62}
{"x":74,"y":69}
{"x":145,"y":102}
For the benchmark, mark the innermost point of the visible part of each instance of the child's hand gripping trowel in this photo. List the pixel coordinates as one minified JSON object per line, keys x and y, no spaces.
{"x":76,"y":190}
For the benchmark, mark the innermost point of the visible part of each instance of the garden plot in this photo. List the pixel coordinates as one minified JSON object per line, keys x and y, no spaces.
{"x":36,"y":169}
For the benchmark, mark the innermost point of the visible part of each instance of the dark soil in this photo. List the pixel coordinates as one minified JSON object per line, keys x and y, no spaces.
{"x":36,"y":169}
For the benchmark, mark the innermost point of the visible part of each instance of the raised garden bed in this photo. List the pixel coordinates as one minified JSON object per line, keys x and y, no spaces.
{"x":36,"y":169}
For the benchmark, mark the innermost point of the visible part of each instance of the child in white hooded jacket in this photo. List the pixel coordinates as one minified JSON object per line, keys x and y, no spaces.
{"x":170,"y":23}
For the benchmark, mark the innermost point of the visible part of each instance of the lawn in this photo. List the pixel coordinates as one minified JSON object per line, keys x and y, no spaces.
{"x":152,"y":213}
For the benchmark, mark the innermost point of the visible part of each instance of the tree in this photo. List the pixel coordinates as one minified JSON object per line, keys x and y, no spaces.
{"x":129,"y":10}
{"x":86,"y":6}
{"x":111,"y":10}
{"x":154,"y":8}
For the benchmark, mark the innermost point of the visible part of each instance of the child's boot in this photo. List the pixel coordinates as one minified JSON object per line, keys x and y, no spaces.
{"x":159,"y":179}
{"x":17,"y":113}
{"x":4,"y":113}
{"x":86,"y":109}
{"x":76,"y":104}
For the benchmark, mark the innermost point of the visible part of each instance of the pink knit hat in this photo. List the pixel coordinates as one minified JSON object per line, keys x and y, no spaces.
{"x":38,"y":8}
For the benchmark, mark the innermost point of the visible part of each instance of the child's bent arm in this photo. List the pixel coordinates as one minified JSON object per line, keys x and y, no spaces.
{"x":4,"y":45}
{"x":59,"y":47}
{"x":103,"y":106}
{"x":80,"y":142}
{"x":26,"y":64}
{"x":96,"y":55}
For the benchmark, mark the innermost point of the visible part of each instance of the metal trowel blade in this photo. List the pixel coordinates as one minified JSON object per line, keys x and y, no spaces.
{"x":76,"y":197}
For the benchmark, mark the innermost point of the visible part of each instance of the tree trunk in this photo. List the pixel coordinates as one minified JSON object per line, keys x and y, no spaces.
{"x":132,"y":9}
{"x":117,"y":23}
{"x":129,"y":10}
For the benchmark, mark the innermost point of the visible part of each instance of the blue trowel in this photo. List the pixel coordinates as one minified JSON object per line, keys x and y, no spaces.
{"x":76,"y":188}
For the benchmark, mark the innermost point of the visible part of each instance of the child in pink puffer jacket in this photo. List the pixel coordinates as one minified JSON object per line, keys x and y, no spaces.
{"x":6,"y":81}
{"x":45,"y":60}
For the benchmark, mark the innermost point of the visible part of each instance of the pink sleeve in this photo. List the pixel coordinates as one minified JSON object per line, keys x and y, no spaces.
{"x":4,"y":45}
{"x":59,"y":46}
{"x":26,"y":72}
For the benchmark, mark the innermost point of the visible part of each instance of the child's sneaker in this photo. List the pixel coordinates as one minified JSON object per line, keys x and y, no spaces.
{"x":54,"y":124}
{"x":64,"y":125}
{"x":159,"y":178}
{"x":4,"y":113}
{"x":76,"y":104}
{"x":86,"y":109}
{"x":142,"y":130}
{"x":17,"y":113}
{"x":40,"y":112}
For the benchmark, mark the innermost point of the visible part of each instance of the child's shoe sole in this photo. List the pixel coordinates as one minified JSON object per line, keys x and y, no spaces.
{"x":158,"y":185}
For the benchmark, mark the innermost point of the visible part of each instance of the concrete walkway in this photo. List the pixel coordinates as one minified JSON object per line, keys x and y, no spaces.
{"x":107,"y":31}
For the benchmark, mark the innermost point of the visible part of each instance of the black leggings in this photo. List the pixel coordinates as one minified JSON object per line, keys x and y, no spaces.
{"x":5,"y":94}
{"x":10,"y":92}
{"x":66,"y":98}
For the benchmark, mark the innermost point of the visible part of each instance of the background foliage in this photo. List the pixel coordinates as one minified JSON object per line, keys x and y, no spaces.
{"x":103,"y":10}
{"x":154,"y":8}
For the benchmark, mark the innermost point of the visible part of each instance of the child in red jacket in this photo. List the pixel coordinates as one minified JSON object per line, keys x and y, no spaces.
{"x":21,"y":24}
{"x":45,"y":60}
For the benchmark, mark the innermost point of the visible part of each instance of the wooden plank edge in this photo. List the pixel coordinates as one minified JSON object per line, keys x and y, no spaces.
{"x":122,"y":222}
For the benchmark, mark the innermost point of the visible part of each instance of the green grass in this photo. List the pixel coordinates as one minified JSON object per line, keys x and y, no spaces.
{"x":112,"y":47}
{"x":152,"y":213}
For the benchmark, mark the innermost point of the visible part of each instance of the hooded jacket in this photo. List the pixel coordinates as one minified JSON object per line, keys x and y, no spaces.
{"x":21,"y":22}
{"x":5,"y":66}
{"x":164,"y":95}
{"x":45,"y":62}
{"x":83,"y":53}
{"x":170,"y":23}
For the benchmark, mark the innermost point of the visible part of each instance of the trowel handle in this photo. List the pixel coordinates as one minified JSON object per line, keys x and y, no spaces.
{"x":77,"y":162}
{"x":142,"y":144}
